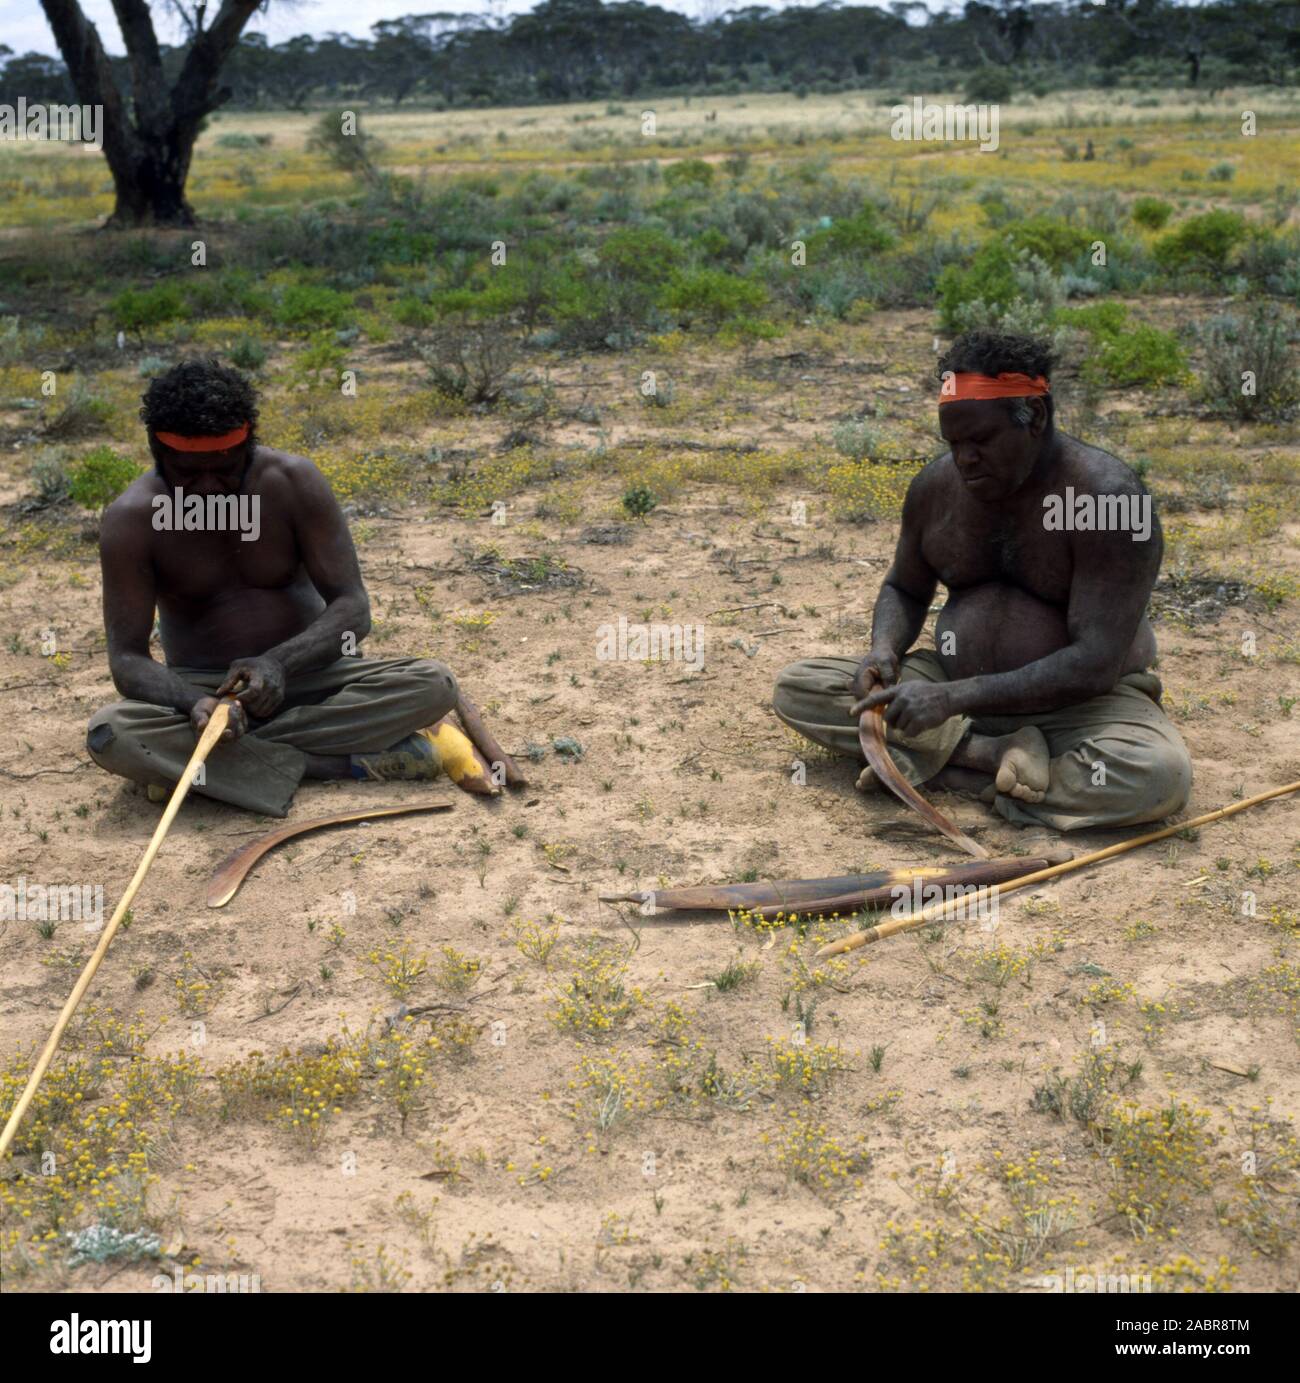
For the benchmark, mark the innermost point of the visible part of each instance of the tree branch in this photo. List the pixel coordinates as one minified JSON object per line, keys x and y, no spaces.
{"x":196,"y":92}
{"x":148,"y":87}
{"x":92,"y":78}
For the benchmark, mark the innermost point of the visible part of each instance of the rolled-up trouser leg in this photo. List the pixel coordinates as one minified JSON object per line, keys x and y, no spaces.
{"x":353,"y":706}
{"x":814,"y":697}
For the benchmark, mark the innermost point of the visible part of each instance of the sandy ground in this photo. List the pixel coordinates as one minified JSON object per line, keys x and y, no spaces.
{"x":683,"y":777}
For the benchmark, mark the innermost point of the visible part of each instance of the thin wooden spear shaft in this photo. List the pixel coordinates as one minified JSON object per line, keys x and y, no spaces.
{"x":212,"y":732}
{"x":938,"y":911}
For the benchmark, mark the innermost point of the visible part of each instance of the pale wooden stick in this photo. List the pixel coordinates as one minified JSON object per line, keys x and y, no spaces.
{"x":212,"y":732}
{"x":937,"y":911}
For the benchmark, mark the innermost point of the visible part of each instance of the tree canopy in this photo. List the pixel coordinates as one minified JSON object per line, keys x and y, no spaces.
{"x":585,"y":49}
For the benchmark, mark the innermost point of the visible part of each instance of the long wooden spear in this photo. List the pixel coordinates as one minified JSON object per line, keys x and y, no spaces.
{"x":939,"y":911}
{"x":212,"y":732}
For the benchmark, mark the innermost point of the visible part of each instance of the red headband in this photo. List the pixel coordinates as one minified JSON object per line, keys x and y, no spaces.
{"x":179,"y":442}
{"x":958,"y":386}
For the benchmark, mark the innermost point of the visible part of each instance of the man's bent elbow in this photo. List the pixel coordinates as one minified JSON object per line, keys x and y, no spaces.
{"x":1096,"y":679}
{"x":359,"y":623}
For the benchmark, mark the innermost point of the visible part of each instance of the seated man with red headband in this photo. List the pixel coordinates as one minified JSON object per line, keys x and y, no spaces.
{"x":247,"y":557}
{"x":1038,"y":694}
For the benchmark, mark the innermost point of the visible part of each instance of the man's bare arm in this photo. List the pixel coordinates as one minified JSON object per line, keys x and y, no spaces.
{"x":904,"y":598}
{"x":129,"y":599}
{"x":331,"y":562}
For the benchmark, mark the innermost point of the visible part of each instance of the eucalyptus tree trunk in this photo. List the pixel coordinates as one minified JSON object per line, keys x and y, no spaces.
{"x":149,"y":140}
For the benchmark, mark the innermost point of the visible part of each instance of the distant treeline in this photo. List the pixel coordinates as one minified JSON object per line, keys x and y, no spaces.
{"x":584,"y":50}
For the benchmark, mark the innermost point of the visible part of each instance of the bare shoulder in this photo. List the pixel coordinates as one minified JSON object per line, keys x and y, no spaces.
{"x":1090,"y":470}
{"x":300,"y":474}
{"x":936,"y":479}
{"x":1107,"y":511}
{"x":129,"y":518}
{"x":291,"y":477}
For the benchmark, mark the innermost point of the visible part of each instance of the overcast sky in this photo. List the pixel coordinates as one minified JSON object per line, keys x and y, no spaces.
{"x":23,"y":26}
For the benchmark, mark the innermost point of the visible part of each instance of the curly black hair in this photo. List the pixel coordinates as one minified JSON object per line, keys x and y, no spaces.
{"x":984,"y":352}
{"x":998,"y":353}
{"x":200,"y":397}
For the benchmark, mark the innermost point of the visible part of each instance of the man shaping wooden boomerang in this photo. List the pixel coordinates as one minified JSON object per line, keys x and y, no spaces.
{"x":276,"y":605}
{"x":1039,"y":696}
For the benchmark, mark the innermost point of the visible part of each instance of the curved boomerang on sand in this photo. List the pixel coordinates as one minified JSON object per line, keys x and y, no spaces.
{"x":871,"y":736}
{"x":233,"y":870}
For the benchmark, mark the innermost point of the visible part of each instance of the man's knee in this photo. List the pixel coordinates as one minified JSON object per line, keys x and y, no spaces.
{"x":1165,"y":783}
{"x":787,"y":681}
{"x":1144,"y":784}
{"x":435,"y":688}
{"x":102,"y":736}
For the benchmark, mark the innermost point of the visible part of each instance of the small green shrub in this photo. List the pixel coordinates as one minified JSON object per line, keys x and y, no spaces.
{"x":712,"y":296}
{"x":856,"y":438}
{"x":1004,"y":289}
{"x":640,"y":254}
{"x":689,"y":173}
{"x":320,"y":362}
{"x":352,"y":153}
{"x":226,"y":293}
{"x":470,"y":361}
{"x":50,"y":480}
{"x":17,"y":341}
{"x":248,"y":353}
{"x":82,"y":414}
{"x":1121,"y":355}
{"x":1145,"y":355}
{"x":861,"y":233}
{"x":1202,"y":244}
{"x":990,"y":278}
{"x":1151,"y":213}
{"x":1097,"y":319}
{"x":745,"y":331}
{"x":639,"y":501}
{"x":310,"y":306}
{"x":137,"y":309}
{"x":100,"y":476}
{"x":1054,"y":242}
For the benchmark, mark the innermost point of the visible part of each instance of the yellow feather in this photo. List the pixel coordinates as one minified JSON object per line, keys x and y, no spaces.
{"x":455,"y":751}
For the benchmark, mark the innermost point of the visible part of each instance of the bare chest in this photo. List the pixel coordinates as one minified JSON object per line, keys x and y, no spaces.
{"x":251,"y":551}
{"x":975,"y":549}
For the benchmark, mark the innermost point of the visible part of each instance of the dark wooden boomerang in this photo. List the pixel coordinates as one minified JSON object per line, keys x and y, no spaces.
{"x":871,"y":736}
{"x":982,"y":874}
{"x":772,"y":892}
{"x":233,"y":870}
{"x":847,"y":892}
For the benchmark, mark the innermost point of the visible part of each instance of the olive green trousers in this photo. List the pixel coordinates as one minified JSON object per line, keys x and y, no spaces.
{"x":351,"y":706}
{"x":1145,"y":772}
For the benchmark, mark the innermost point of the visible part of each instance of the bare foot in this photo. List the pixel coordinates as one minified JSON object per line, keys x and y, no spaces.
{"x":867,"y":780}
{"x":1024,"y":765}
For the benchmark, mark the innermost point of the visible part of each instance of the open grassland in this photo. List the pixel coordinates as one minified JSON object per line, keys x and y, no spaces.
{"x":1162,"y":141}
{"x":579,"y":1097}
